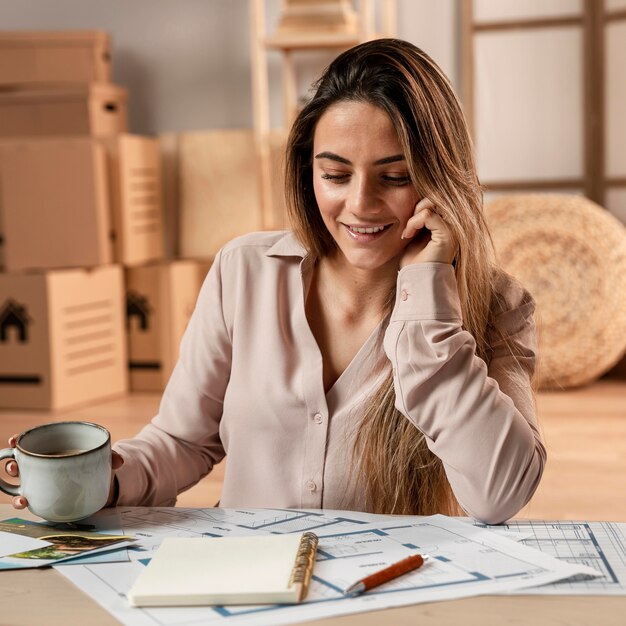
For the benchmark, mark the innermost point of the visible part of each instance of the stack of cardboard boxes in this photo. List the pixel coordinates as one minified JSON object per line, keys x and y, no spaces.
{"x":85,"y":295}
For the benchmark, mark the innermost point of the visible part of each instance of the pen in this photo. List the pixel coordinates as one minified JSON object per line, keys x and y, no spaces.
{"x":388,"y":573}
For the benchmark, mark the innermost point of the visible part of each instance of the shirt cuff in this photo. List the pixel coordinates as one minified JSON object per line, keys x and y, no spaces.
{"x":128,"y":482}
{"x":427,"y":291}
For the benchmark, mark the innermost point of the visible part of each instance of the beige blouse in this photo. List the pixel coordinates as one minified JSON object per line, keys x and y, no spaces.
{"x":249,"y":385}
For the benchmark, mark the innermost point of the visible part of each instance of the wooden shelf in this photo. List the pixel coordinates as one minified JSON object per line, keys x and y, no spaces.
{"x":312,"y":41}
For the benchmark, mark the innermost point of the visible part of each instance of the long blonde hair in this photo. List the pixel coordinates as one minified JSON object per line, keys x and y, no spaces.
{"x":397,"y":471}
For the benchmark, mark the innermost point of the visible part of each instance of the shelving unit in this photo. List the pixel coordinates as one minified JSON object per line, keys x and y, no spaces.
{"x":303,"y":25}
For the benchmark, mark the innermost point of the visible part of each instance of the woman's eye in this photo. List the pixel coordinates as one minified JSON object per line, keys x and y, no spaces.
{"x":398,"y":181}
{"x":335,"y":177}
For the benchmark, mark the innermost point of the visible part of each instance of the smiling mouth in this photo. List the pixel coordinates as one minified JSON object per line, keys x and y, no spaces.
{"x":367,"y":230}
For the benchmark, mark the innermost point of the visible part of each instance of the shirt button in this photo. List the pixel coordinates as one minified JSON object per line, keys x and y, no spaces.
{"x":311,"y":486}
{"x":318,"y":418}
{"x":404,"y":295}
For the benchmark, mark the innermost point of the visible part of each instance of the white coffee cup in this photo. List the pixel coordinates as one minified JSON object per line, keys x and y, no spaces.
{"x":65,"y":469}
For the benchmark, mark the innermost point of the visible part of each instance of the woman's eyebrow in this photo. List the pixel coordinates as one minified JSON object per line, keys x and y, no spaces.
{"x":390,"y":159}
{"x":335,"y":157}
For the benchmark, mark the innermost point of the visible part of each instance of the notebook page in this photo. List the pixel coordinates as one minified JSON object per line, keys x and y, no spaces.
{"x":229,"y":570}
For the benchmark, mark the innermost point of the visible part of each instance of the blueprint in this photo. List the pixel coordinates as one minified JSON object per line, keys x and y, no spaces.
{"x":600,"y":545}
{"x":465,"y":560}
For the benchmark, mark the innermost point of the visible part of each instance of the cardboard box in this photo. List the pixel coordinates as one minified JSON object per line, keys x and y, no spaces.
{"x":203,"y":265}
{"x":62,"y":340}
{"x":97,"y":109}
{"x":35,"y":58}
{"x":160,"y":299}
{"x":218,"y":189}
{"x":75,"y":202}
{"x":54,"y":204}
{"x":212,"y":189}
{"x":136,"y":198}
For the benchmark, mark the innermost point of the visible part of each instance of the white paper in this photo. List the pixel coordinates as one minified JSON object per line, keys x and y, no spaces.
{"x":11,"y":543}
{"x":465,"y":561}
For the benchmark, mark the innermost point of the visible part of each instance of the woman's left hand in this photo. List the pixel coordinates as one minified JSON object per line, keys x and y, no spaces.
{"x":432,"y":240}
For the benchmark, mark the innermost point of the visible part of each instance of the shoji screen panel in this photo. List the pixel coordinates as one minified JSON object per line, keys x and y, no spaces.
{"x":615,"y":106}
{"x":525,"y":93}
{"x":529,"y":106}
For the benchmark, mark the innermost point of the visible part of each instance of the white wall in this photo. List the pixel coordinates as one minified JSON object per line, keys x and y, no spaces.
{"x":186,"y":63}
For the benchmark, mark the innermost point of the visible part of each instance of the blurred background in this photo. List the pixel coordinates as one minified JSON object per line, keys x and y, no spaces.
{"x":136,"y":138}
{"x":187,"y":64}
{"x":542,"y":65}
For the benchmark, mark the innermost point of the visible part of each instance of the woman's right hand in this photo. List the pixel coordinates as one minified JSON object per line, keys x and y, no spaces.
{"x":20,"y":502}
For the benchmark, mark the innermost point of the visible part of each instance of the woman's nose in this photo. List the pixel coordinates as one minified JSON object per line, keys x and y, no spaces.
{"x":362,"y":198}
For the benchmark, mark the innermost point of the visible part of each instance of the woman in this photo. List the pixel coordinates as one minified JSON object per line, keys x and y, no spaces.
{"x":374,"y":358}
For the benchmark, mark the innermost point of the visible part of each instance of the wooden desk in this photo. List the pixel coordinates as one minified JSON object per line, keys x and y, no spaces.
{"x":38,"y":597}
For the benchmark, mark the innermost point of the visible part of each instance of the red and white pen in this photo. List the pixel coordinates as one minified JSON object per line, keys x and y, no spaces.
{"x":388,"y":573}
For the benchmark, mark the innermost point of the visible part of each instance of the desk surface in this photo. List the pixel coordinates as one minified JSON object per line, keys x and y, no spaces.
{"x":43,"y":596}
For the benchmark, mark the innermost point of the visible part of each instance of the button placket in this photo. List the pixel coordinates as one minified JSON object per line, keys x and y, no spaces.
{"x":314,"y":456}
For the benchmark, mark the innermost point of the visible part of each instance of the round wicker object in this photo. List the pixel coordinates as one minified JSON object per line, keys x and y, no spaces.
{"x":571,"y":255}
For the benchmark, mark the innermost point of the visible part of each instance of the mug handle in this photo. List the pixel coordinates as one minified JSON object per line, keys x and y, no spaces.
{"x":12,"y":490}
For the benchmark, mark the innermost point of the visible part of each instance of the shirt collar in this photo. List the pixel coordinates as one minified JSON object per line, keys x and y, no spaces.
{"x":288,"y":245}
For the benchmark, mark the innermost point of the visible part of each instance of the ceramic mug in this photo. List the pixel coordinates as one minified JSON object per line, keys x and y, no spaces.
{"x":65,"y":469}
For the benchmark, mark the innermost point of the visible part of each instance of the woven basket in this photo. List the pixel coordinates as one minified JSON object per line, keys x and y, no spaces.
{"x":571,"y":255}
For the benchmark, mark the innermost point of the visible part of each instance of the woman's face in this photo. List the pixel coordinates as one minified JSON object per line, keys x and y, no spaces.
{"x":362,"y":184}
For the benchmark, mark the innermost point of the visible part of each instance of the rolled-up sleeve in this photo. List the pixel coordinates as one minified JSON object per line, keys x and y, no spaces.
{"x":181,"y":443}
{"x":478,"y":419}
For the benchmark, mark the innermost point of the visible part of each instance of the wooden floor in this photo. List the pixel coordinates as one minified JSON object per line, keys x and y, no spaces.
{"x":584,"y":431}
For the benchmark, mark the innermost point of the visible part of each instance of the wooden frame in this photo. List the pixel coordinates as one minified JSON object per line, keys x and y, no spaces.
{"x":592,"y":20}
{"x":618,"y":15}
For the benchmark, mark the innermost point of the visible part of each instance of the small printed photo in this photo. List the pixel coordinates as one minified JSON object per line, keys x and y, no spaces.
{"x":66,"y":545}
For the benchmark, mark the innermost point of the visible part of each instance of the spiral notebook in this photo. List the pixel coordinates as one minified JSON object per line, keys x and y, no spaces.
{"x":195,"y":571}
